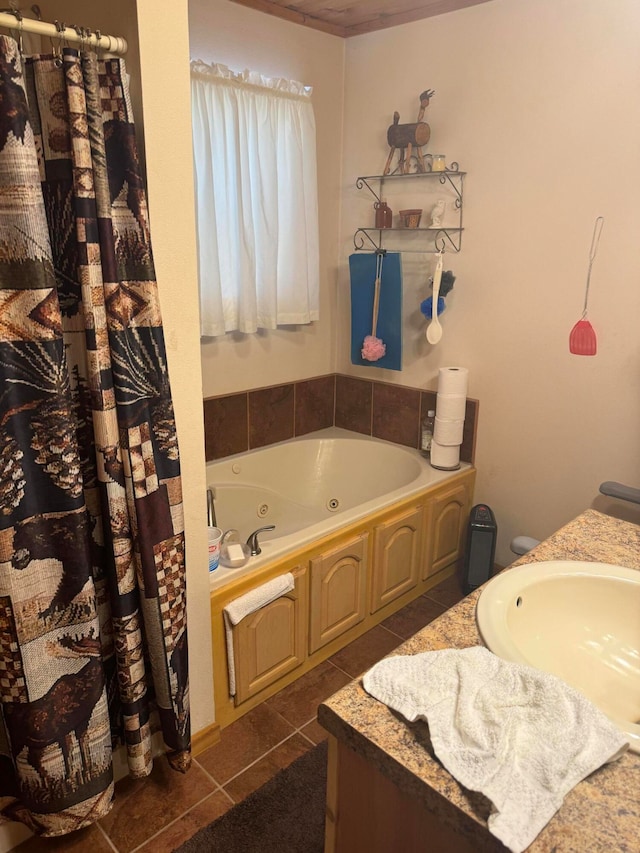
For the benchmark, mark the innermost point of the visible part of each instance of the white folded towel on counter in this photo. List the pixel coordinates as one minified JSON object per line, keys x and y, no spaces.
{"x":248,"y":603}
{"x":521,"y":737}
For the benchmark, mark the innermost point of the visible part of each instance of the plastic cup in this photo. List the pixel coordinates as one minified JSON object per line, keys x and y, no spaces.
{"x":215,"y":535}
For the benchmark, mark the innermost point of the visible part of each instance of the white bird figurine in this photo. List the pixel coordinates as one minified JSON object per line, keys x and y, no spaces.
{"x":437,"y":213}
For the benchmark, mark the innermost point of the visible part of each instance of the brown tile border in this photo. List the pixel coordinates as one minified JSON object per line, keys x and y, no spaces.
{"x":226,"y":425}
{"x":314,"y":404}
{"x":470,"y":434}
{"x":234,"y":423}
{"x":354,"y":403}
{"x":271,"y":415}
{"x":396,"y":414}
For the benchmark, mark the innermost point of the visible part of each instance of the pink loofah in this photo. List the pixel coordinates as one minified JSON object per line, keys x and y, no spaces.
{"x":373,"y":348}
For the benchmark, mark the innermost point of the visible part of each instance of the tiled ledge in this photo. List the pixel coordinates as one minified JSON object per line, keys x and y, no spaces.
{"x":234,"y":423}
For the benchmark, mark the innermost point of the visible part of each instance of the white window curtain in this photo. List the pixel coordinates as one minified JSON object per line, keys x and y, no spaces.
{"x":256,"y":200}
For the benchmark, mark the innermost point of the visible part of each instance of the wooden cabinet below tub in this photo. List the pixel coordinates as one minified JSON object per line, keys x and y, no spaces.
{"x":346,"y":584}
{"x":338,"y":591}
{"x":446,"y":527}
{"x":396,"y":556}
{"x":271,"y":642}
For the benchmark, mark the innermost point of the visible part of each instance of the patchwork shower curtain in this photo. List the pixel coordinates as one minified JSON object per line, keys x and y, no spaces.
{"x":93,"y":638}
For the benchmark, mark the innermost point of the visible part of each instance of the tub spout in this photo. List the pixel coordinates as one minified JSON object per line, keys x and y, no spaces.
{"x":211,"y":509}
{"x":252,"y":541}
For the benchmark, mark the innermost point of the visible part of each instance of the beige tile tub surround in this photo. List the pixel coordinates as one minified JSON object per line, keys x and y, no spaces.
{"x":601,"y":811}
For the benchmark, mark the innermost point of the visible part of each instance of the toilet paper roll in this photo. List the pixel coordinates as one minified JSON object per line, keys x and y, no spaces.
{"x":451,"y":406}
{"x":448,"y":432}
{"x":446,"y":458}
{"x":453,"y":380}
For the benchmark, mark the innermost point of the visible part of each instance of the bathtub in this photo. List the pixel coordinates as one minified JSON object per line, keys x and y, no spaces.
{"x":311,"y":486}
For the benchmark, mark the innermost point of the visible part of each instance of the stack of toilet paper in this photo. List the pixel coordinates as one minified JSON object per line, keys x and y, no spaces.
{"x":451,"y":401}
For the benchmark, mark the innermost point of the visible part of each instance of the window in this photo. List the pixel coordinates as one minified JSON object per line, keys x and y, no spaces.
{"x":256,"y":200}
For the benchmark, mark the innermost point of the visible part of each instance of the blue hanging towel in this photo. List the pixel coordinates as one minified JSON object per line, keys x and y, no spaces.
{"x":362,"y":266}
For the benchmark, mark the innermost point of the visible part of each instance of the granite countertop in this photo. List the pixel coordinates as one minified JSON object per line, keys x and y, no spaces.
{"x":600,"y":815}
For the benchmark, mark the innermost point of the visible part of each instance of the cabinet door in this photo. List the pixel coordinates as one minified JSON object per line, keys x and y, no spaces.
{"x":338,"y":591}
{"x":272,"y":641}
{"x":449,"y":512}
{"x":396,"y":557}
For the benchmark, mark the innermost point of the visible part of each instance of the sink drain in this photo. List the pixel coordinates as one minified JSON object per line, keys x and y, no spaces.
{"x":333,"y":504}
{"x":263,"y":509}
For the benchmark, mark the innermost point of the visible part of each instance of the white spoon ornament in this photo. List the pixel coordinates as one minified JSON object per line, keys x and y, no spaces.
{"x":434,"y":329}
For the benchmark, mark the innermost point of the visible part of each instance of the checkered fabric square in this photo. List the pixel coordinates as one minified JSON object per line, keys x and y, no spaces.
{"x":143,"y":468}
{"x":169,"y":559}
{"x":13,"y":687}
{"x":111,"y":99}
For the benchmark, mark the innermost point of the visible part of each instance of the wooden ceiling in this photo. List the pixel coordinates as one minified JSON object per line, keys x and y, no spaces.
{"x":354,"y":17}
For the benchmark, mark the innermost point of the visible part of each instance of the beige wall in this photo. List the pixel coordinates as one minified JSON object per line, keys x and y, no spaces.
{"x":538,"y":101}
{"x":164,"y":61}
{"x":226,"y":32}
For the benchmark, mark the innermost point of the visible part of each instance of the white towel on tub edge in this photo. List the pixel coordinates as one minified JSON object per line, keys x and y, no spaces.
{"x":520,"y":736}
{"x":242,"y":606}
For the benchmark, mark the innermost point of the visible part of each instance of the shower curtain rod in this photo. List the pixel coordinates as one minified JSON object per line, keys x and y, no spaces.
{"x":68,"y":35}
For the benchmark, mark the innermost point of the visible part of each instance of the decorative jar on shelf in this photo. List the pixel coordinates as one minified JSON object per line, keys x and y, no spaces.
{"x":383,"y":214}
{"x":410,"y":218}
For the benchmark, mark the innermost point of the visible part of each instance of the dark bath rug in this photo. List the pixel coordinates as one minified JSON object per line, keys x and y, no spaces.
{"x":284,"y":815}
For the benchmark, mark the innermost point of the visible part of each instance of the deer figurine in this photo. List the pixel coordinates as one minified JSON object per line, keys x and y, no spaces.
{"x":404,"y":136}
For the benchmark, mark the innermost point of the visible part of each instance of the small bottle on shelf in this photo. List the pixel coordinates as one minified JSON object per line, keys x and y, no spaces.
{"x":426,"y":433}
{"x":383,"y":214}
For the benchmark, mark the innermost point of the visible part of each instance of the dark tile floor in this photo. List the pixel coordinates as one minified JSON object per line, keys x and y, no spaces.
{"x":157,"y":814}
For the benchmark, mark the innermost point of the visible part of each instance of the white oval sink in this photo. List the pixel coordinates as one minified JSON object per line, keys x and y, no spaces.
{"x":579,"y":621}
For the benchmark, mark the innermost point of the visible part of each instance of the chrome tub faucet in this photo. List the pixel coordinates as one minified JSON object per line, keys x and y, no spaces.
{"x":252,"y":541}
{"x":211,"y":509}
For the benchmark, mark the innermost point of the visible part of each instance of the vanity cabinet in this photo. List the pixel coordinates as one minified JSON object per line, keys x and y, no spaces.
{"x":396,"y":557}
{"x":271,"y":642}
{"x":338,"y":591}
{"x":346,"y":584}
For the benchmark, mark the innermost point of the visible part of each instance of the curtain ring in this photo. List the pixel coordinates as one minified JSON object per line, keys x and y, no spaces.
{"x":57,"y":50}
{"x":78,"y":30}
{"x":53,"y":46}
{"x":98,"y":35}
{"x":18,"y":16}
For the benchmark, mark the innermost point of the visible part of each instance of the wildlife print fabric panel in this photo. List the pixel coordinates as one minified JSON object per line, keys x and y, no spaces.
{"x":92,"y":565}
